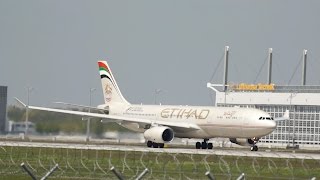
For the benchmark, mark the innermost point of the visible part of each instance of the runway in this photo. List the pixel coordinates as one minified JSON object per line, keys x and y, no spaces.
{"x":132,"y":148}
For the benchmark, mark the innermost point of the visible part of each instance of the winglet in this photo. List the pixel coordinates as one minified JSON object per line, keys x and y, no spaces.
{"x":20,"y":102}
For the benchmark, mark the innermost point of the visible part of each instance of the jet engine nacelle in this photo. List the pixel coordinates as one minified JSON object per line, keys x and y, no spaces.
{"x":243,"y":142}
{"x":160,"y":134}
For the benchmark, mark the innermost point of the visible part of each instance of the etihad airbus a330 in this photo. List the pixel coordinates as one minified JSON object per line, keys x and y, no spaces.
{"x":160,"y":124}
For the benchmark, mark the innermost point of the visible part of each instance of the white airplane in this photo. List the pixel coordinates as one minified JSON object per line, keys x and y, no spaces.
{"x":161,"y":123}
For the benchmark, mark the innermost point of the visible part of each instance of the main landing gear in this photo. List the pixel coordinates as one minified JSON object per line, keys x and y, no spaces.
{"x":204,"y":145}
{"x":154,"y":144}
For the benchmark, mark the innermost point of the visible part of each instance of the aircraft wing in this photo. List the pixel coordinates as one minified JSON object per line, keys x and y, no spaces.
{"x":78,"y":105}
{"x":116,"y":118}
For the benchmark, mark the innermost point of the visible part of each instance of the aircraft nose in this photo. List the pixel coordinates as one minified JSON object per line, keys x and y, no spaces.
{"x":272,"y":125}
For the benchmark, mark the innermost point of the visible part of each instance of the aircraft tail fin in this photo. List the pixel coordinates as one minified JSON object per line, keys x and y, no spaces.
{"x":111,"y":91}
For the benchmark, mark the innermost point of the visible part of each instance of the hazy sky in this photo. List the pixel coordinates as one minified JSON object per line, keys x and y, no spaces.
{"x":174,"y":45}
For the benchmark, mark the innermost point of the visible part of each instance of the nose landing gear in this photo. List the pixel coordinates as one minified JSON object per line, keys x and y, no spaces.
{"x":254,"y":148}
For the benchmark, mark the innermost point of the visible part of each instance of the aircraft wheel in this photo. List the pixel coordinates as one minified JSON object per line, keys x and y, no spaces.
{"x":198,"y":145}
{"x":161,"y":145}
{"x":204,"y":145}
{"x":149,"y":143}
{"x":155,"y":145}
{"x":210,"y":146}
{"x":254,"y":148}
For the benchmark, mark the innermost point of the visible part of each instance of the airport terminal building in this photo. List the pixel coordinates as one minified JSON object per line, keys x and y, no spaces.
{"x":303,"y":102}
{"x":302,"y":129}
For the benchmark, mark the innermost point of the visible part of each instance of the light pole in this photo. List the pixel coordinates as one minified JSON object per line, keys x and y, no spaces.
{"x":29,"y":89}
{"x":292,"y":95}
{"x":88,"y":120}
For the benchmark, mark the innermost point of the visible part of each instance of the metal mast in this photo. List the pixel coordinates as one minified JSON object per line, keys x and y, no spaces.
{"x":304,"y":67}
{"x":270,"y":66}
{"x":225,"y":77}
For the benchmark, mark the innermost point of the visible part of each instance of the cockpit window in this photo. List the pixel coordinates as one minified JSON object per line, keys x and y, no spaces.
{"x":266,"y":118}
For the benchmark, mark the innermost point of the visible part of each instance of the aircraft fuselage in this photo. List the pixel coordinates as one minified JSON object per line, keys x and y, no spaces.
{"x":213,"y":122}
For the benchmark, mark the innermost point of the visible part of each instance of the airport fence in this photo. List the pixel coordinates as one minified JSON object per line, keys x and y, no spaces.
{"x":74,"y":163}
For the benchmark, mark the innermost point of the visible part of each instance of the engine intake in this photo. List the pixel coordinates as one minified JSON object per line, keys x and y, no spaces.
{"x":160,"y":134}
